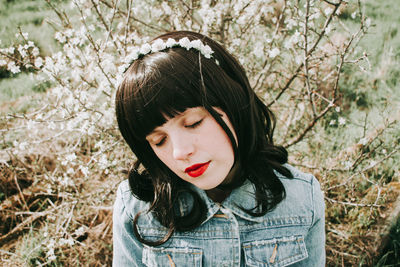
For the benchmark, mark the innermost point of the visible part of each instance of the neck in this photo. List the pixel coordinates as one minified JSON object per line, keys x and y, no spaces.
{"x":218,"y":195}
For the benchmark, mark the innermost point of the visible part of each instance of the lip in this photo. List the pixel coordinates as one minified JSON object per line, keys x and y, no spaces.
{"x":197,"y":169}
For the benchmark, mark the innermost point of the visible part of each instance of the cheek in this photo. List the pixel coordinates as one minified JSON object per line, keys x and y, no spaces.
{"x":228,"y":123}
{"x":220,"y":144}
{"x":162,"y":155}
{"x":230,"y":126}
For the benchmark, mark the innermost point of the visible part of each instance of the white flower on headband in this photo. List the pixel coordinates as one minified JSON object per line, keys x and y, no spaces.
{"x":145,"y":49}
{"x":206,"y":51}
{"x":196,"y":44}
{"x":185,"y":43}
{"x":159,"y":45}
{"x":134,"y":54}
{"x":171,"y":42}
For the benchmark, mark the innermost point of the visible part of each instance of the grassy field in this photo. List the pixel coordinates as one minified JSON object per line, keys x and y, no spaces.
{"x":369,"y":94}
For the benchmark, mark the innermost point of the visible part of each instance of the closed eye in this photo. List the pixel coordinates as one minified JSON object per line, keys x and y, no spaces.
{"x":194,"y":125}
{"x":161,"y":142}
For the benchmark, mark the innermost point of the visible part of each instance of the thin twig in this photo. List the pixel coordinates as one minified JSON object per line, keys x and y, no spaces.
{"x":345,"y":181}
{"x":297,"y":71}
{"x":21,"y":195}
{"x":307,"y":77}
{"x":108,"y":28}
{"x":20,"y":227}
{"x":351,"y":203}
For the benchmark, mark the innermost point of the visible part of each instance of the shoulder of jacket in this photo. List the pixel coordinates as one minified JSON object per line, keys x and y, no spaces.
{"x":124,"y":187}
{"x":130,"y":202}
{"x":297,"y":175}
{"x":303,"y":192}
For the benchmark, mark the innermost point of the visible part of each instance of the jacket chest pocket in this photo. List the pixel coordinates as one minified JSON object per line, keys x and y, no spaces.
{"x":276,"y":252}
{"x":173,"y":257}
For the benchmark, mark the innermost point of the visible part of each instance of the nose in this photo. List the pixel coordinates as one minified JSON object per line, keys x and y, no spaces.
{"x":182,"y":146}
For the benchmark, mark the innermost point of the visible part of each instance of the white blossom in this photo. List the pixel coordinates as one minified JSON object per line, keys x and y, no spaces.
{"x":328,"y":29}
{"x":342,"y":121}
{"x":38,"y":62}
{"x":91,"y":130}
{"x":368,"y":22}
{"x":35,"y":51}
{"x":328,"y":11}
{"x":60,"y":37}
{"x":84,"y":170}
{"x":236,"y":42}
{"x":258,"y":50}
{"x":291,"y":23}
{"x":9,"y":50}
{"x":274,"y":52}
{"x":22,"y":51}
{"x":50,"y":252}
{"x":166,"y":8}
{"x":347,"y":164}
{"x":70,"y":171}
{"x":69,"y":32}
{"x":51,"y":125}
{"x":68,"y":241}
{"x":188,"y":24}
{"x":80,"y":231}
{"x":23,"y":146}
{"x":372,"y":164}
{"x":11,"y":66}
{"x":70,"y":157}
{"x":363,"y":141}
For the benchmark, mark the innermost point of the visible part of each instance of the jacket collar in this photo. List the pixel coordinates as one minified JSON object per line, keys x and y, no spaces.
{"x":240,"y":198}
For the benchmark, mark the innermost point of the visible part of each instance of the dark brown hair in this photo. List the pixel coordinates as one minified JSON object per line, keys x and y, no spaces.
{"x":166,"y":83}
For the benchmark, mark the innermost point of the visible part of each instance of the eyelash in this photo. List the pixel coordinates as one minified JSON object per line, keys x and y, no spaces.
{"x":194,"y":125}
{"x":191,"y":126}
{"x":161,"y":142}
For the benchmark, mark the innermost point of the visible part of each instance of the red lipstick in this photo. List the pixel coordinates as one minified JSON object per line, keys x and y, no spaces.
{"x":197,"y":169}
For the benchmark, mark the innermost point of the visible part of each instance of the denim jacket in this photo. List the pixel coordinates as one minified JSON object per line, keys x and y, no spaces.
{"x":292,"y":234}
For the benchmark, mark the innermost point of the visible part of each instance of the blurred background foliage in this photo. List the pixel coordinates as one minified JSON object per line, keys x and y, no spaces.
{"x":353,"y":149}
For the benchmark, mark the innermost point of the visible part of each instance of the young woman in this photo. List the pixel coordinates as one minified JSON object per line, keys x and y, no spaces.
{"x":209,"y":187}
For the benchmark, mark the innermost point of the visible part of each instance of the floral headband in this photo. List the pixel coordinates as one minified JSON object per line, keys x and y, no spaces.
{"x":159,"y":45}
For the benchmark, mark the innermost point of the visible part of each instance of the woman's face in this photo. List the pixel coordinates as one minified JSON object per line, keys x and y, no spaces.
{"x":195,"y":147}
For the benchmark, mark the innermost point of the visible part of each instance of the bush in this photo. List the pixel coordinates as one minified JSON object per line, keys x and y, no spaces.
{"x":306,"y":65}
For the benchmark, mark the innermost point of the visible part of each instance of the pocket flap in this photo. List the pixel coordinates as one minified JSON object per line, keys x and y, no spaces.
{"x":282,"y":251}
{"x":174,"y":257}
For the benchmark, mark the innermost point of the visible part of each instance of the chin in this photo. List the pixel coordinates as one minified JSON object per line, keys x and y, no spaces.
{"x":207,"y":186}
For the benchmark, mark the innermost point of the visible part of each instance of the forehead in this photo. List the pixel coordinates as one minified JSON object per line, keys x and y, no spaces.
{"x":187,"y":114}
